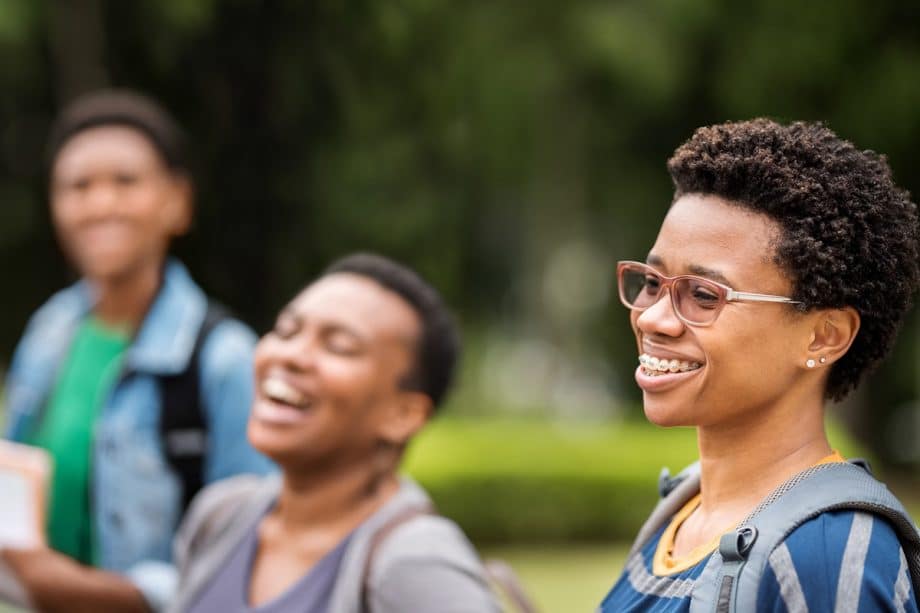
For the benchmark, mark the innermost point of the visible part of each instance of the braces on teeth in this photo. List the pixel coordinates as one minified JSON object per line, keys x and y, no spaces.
{"x":654,"y":366}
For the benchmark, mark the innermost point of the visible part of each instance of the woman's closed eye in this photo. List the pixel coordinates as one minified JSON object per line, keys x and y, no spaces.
{"x":651,"y":284}
{"x":343,"y":343}
{"x":126,"y":179}
{"x":704,"y":296}
{"x":286,"y":326}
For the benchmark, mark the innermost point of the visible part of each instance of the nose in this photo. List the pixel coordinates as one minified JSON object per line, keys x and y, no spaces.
{"x":298,"y":352}
{"x":660,"y":318}
{"x":100,"y":198}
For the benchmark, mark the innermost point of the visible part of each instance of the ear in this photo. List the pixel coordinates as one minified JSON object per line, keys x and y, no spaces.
{"x":180,"y":204}
{"x":833,"y":332}
{"x":405,"y":417}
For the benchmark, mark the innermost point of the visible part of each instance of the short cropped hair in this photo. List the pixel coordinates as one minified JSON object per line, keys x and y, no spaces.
{"x":127,"y":108}
{"x":438,"y":347}
{"x":849,"y":235}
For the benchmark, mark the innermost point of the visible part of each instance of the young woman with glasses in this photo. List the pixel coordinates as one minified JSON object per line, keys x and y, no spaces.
{"x":779,"y":277}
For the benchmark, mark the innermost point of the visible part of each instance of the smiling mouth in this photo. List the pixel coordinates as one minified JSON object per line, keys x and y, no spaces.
{"x":654,"y":367}
{"x":281,"y":392}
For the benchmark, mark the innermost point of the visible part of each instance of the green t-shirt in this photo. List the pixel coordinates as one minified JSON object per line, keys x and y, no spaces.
{"x":67,"y":428}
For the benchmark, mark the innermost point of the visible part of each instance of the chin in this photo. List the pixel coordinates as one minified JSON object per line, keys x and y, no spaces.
{"x":267,"y":441}
{"x":665,"y":415}
{"x":101,"y":269}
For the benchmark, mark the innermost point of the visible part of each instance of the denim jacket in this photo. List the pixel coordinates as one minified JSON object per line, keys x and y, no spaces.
{"x":135,"y":499}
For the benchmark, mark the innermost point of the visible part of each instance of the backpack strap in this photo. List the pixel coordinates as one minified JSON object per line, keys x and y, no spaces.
{"x":731,"y":580}
{"x":183,"y":426}
{"x":377,"y":540}
{"x":504,"y":578}
{"x":674,"y":492}
{"x":499,"y":572}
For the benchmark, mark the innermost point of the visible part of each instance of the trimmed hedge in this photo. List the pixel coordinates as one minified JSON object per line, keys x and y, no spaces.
{"x":521,"y":508}
{"x":506,"y":480}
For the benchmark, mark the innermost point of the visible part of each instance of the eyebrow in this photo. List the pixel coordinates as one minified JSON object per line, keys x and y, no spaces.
{"x":696,"y":269}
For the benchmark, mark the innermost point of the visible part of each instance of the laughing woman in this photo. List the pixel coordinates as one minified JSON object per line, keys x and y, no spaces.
{"x":354,"y":367}
{"x":779,"y":278}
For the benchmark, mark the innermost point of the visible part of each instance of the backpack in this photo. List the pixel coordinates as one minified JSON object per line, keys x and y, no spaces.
{"x":183,"y":426}
{"x":730,"y":581}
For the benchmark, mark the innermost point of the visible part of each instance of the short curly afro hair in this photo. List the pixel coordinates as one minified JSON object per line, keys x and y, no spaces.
{"x":849,"y":235}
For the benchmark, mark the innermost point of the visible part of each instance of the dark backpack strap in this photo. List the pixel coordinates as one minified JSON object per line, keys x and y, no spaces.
{"x":183,"y":425}
{"x":731,"y":581}
{"x":377,"y":540}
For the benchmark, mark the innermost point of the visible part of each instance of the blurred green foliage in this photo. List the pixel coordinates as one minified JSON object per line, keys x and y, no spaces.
{"x":517,"y":480}
{"x":511,"y":151}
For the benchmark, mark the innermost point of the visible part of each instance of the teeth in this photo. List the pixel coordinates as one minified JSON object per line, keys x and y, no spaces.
{"x":281,"y":391}
{"x":654,"y":366}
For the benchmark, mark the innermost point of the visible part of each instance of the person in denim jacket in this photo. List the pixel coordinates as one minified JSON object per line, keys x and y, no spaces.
{"x":120,"y":191}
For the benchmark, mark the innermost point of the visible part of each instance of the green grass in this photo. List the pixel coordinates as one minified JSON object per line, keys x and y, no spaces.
{"x":564,"y":578}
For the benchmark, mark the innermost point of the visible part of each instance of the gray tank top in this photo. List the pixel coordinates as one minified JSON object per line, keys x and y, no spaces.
{"x":228,"y":591}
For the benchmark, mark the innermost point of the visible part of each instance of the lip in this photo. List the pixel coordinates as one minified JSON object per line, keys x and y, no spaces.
{"x":663,"y":381}
{"x":661,"y":352}
{"x":104,"y":233}
{"x":667,"y":380}
{"x":272,"y":411}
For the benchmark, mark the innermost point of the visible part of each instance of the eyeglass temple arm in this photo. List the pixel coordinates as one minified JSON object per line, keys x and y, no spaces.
{"x":733,"y":295}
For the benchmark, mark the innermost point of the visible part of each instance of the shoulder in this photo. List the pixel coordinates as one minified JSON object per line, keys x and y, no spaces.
{"x":431,"y":538}
{"x":60,"y":311}
{"x":218,"y":507}
{"x":227,"y":492}
{"x":832,"y":536}
{"x":428,"y":564}
{"x":46,"y":338}
{"x":228,"y":344}
{"x":840,"y":558}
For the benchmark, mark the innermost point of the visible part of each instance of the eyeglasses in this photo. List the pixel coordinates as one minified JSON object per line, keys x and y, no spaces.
{"x":697,"y":301}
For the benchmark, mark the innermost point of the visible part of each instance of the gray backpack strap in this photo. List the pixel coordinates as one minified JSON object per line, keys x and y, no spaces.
{"x":731,"y":580}
{"x":674,"y":492}
{"x":377,"y":539}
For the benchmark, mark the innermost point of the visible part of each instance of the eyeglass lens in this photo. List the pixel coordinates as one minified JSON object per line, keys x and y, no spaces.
{"x":695,"y":300}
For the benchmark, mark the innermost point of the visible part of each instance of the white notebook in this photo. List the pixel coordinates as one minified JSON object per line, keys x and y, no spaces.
{"x":24,"y":475}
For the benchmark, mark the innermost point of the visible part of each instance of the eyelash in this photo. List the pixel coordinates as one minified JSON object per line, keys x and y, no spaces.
{"x":285,"y":329}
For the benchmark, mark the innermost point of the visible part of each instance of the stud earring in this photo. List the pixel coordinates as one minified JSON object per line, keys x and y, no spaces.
{"x":810,"y":363}
{"x":822,"y":359}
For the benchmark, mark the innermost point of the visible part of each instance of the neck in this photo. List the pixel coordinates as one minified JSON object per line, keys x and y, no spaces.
{"x":741,"y":463}
{"x":333,"y":498}
{"x":124,"y":301}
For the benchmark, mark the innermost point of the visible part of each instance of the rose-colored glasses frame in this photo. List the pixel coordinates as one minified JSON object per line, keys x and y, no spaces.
{"x":724,"y":292}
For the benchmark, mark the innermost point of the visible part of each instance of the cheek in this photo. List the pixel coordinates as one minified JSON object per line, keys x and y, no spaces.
{"x":267,"y":350}
{"x":634,"y":324}
{"x":750,"y":359}
{"x":151,"y":208}
{"x":64,"y":212}
{"x":349,"y":379}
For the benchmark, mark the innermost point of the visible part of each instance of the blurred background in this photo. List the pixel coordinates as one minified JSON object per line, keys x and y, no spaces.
{"x":511,"y":152}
